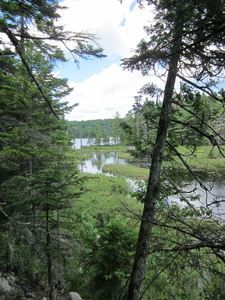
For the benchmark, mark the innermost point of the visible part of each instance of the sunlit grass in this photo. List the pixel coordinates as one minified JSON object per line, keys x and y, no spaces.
{"x":205,"y":157}
{"x":108,"y":148}
{"x":124,"y":155}
{"x":126,"y":170}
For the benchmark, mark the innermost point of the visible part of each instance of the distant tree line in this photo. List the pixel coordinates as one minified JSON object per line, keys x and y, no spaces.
{"x":84,"y":128}
{"x":97,"y":131}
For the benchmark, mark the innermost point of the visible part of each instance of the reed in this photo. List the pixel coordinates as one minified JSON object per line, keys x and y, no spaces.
{"x":127,"y":171}
{"x":204,"y":158}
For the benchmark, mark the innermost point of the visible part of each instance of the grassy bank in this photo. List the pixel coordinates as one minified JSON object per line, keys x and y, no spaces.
{"x":205,"y":158}
{"x":127,"y":171}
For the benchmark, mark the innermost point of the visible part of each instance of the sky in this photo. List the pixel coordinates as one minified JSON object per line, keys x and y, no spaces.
{"x":101,"y":87}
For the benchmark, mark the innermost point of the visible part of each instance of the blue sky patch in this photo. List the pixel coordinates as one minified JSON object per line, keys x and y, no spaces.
{"x":123,"y":22}
{"x":85,"y":69}
{"x":133,"y":5}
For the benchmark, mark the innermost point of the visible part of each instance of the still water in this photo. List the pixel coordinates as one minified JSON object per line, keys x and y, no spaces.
{"x":213,"y":199}
{"x":78,"y":143}
{"x":97,"y":161}
{"x":211,"y":196}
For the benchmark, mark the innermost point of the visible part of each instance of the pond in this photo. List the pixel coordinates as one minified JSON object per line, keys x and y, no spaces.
{"x":95,"y":164}
{"x":211,"y":196}
{"x":214,"y":199}
{"x":82,"y":142}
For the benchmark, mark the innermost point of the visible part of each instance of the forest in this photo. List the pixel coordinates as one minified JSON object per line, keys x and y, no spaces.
{"x":97,"y":131}
{"x":65,"y":234}
{"x":89,"y":128}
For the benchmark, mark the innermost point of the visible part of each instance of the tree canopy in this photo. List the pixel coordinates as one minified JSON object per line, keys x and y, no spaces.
{"x":39,"y":179}
{"x":186,"y":41}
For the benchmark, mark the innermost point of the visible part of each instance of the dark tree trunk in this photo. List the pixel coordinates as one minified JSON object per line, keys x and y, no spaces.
{"x":152,"y":192}
{"x":49,"y":256}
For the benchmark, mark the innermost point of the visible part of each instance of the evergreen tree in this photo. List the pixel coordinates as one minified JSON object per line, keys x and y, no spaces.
{"x":116,"y":130}
{"x":17,"y":23}
{"x":186,"y":37}
{"x":38,"y":178}
{"x":140,"y":123}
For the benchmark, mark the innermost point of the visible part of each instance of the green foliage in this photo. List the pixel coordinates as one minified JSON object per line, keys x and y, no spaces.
{"x":103,"y":220}
{"x":60,"y":227}
{"x":116,"y":130}
{"x":185,"y":41}
{"x":139,"y":125}
{"x":103,"y":198}
{"x":110,"y":259}
{"x":86,"y":129}
{"x":38,"y":179}
{"x":97,"y":131}
{"x":180,"y":265}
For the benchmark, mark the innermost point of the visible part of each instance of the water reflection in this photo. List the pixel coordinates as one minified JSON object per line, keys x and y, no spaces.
{"x":212,"y":199}
{"x":82,"y":142}
{"x":95,"y":164}
{"x":209,"y":195}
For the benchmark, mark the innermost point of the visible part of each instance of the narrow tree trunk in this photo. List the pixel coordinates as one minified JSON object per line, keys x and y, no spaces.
{"x":152,"y":192}
{"x":49,"y":256}
{"x":29,"y":171}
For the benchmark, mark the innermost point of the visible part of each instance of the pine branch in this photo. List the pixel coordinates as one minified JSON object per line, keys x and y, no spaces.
{"x":204,"y":88}
{"x":178,"y":154}
{"x":17,"y":46}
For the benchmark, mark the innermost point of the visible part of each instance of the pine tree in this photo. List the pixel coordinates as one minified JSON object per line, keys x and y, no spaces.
{"x":38,"y":178}
{"x":186,"y":37}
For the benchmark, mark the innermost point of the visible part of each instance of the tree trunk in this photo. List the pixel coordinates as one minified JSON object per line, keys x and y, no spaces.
{"x":49,"y":256}
{"x":152,"y":192}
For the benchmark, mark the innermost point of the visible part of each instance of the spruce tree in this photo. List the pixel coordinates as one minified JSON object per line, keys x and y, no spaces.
{"x":186,"y":41}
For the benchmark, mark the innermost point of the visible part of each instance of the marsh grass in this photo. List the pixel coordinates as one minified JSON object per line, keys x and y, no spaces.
{"x":124,"y":155}
{"x":81,"y":156}
{"x":87,"y":152}
{"x":127,"y":171}
{"x":97,"y":162}
{"x":204,"y":158}
{"x":106,"y":197}
{"x":108,"y":148}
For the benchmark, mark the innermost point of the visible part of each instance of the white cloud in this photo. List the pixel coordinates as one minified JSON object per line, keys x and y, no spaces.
{"x":119,"y":30}
{"x":103,"y":94}
{"x":104,"y":18}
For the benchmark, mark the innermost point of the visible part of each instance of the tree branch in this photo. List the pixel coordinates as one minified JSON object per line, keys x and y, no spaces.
{"x":16,"y":44}
{"x":204,"y":89}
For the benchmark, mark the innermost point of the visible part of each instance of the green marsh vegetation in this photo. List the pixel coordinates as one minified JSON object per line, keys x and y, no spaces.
{"x":105,"y":222}
{"x":105,"y":226}
{"x":87,"y":151}
{"x":127,"y":170}
{"x":204,"y":158}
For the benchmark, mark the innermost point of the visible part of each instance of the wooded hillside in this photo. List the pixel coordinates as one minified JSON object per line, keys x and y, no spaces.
{"x":84,"y":128}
